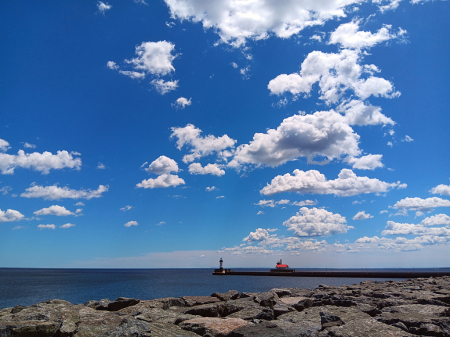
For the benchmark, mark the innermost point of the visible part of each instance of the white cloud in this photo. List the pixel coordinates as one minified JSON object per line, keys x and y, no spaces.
{"x":238,"y":21}
{"x":112,"y":65}
{"x":142,"y":2}
{"x":182,"y":102}
{"x":212,"y":188}
{"x":135,"y":75}
{"x":5,"y":190}
{"x":46,"y":226}
{"x":234,"y":65}
{"x":347,"y":184}
{"x":126,"y":208}
{"x":441,"y":189}
{"x":163,"y":87}
{"x":162,"y":165}
{"x":200,"y":146}
{"x":392,"y":4}
{"x":79,"y":204}
{"x":161,"y":223}
{"x":103,"y":7}
{"x":266,"y":203}
{"x":42,"y":162}
{"x":29,"y":146}
{"x":259,"y":235}
{"x":316,"y":37}
{"x":419,"y":213}
{"x":362,"y":216}
{"x":348,"y":36}
{"x":419,"y":204}
{"x":435,"y":220}
{"x":335,"y":74}
{"x":305,"y":203}
{"x":316,"y":222}
{"x":366,"y":239}
{"x":67,"y":225}
{"x":369,"y":162}
{"x":220,"y":197}
{"x":154,"y":58}
{"x":358,"y":113}
{"x":164,"y":180}
{"x":324,"y":133}
{"x":383,"y":211}
{"x":214,"y":169}
{"x":18,"y":227}
{"x":394,"y":228}
{"x":260,"y":212}
{"x":407,"y":139}
{"x":131,"y":223}
{"x":101,"y":166}
{"x":54,"y":210}
{"x":4,"y":145}
{"x":10,"y":216}
{"x":56,"y":193}
{"x":389,"y":144}
{"x":283,"y":202}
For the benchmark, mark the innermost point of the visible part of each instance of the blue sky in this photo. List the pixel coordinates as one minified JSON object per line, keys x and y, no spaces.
{"x":172,"y":133}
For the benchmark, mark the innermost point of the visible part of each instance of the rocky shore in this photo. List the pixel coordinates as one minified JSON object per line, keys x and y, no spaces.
{"x":406,"y":308}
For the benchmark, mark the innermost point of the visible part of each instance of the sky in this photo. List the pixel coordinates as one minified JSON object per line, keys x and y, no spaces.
{"x":170,"y":133}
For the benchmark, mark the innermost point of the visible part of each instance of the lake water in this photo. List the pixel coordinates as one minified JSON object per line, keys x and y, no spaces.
{"x":30,"y":286}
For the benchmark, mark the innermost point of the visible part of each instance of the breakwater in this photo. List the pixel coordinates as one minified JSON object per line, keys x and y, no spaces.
{"x":337,"y":273}
{"x":412,"y":307}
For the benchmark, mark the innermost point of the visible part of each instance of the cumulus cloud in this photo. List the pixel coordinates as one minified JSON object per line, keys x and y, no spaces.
{"x":101,"y":166}
{"x":67,"y":225}
{"x":46,"y":226}
{"x":29,"y":146}
{"x":163,"y":87}
{"x":220,"y":197}
{"x":54,"y":210}
{"x":112,"y":65}
{"x":42,"y":162}
{"x":56,"y":193}
{"x":435,"y":220}
{"x":4,"y":145}
{"x":357,"y":112}
{"x":212,"y":188}
{"x":103,"y":7}
{"x":324,"y":133}
{"x":335,"y":74}
{"x":164,"y":180}
{"x":259,"y":235}
{"x":126,"y":208}
{"x":162,"y":165}
{"x":238,"y":21}
{"x":79,"y":204}
{"x":135,"y":75}
{"x":10,"y":216}
{"x":5,"y":190}
{"x":260,"y":212}
{"x":316,"y":222}
{"x":441,"y":189}
{"x":305,"y":203}
{"x":182,"y":103}
{"x":214,"y":169}
{"x":391,"y":4}
{"x":419,"y":204}
{"x":369,"y":162}
{"x":362,"y":216}
{"x":131,"y":223}
{"x":266,"y":203}
{"x":394,"y":228}
{"x":347,"y":184}
{"x":154,"y":58}
{"x":200,"y":146}
{"x":407,"y":139}
{"x":348,"y":35}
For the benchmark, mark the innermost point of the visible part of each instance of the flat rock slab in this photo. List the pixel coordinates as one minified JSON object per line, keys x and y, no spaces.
{"x":293,"y":300}
{"x":366,"y":327}
{"x":198,"y":300}
{"x":263,"y":329}
{"x":156,"y":315}
{"x":214,"y":326}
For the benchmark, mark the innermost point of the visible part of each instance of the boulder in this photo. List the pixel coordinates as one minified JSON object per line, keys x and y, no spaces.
{"x":213,"y":326}
{"x":229,"y":295}
{"x":122,"y":302}
{"x":198,"y":300}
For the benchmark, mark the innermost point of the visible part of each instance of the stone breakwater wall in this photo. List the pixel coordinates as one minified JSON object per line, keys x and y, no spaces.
{"x":407,"y":308}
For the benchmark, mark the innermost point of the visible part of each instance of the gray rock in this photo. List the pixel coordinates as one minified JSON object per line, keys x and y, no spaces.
{"x":213,"y":326}
{"x":263,"y":329}
{"x":122,"y":302}
{"x":206,"y":310}
{"x":229,"y":295}
{"x":268,"y":299}
{"x":156,"y":315}
{"x":254,"y":313}
{"x":198,"y":300}
{"x":98,"y":305}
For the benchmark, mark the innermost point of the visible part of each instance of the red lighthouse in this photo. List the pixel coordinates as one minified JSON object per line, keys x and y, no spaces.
{"x":280,"y":267}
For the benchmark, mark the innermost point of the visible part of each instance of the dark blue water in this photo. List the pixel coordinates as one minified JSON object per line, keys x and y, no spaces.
{"x":30,"y":286}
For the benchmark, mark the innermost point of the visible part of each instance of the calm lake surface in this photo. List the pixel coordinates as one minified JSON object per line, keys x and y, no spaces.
{"x":30,"y":286}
